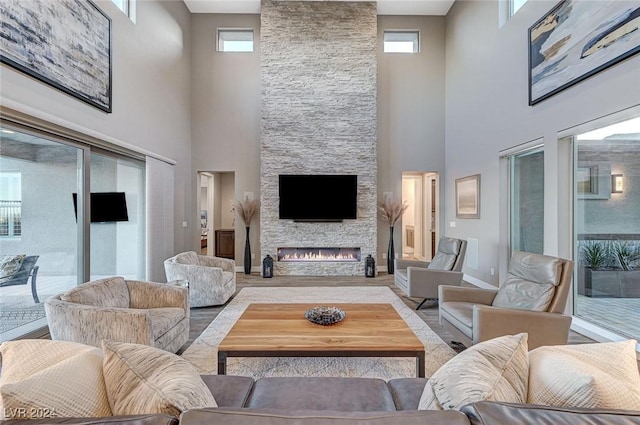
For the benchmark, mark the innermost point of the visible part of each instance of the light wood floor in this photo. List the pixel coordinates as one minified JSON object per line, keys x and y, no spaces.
{"x":202,"y":317}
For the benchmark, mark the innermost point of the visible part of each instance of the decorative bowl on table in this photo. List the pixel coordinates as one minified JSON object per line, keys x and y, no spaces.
{"x":325,"y":315}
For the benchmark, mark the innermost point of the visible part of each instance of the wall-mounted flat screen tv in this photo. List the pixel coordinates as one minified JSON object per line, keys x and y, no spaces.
{"x":105,"y":207}
{"x":324,"y":197}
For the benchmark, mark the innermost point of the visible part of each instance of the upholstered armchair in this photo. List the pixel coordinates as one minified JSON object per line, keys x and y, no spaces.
{"x":532,"y":299}
{"x":121,"y":310}
{"x":421,"y":279}
{"x":212,"y":280}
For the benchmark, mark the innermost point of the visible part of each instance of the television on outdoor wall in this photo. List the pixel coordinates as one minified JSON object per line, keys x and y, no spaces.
{"x":324,"y":197}
{"x":105,"y":207}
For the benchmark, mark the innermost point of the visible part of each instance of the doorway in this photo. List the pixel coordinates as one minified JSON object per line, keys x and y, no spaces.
{"x":419,"y":222}
{"x":217,"y":219}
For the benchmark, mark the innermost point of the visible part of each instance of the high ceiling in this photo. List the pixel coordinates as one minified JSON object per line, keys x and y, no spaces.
{"x":385,"y":7}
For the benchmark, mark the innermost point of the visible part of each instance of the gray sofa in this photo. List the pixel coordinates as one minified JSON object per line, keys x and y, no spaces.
{"x":347,"y":401}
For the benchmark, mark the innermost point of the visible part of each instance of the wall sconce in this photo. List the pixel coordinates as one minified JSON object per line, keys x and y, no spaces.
{"x":616,"y":183}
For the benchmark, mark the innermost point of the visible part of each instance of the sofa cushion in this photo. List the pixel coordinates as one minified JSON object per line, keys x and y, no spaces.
{"x":531,"y":282}
{"x":445,"y":258}
{"x":52,"y":378}
{"x":521,"y":294}
{"x":449,"y":246}
{"x":536,"y":268}
{"x":442,"y":261}
{"x":163,"y":319}
{"x":406,"y":392}
{"x":601,"y":375}
{"x":229,"y":390}
{"x":9,"y":265}
{"x":492,"y":413}
{"x":314,"y":417}
{"x":142,"y":379}
{"x":343,"y":394}
{"x":157,"y":419}
{"x":109,"y":292}
{"x":460,"y":314}
{"x":189,"y":257}
{"x":494,"y":370}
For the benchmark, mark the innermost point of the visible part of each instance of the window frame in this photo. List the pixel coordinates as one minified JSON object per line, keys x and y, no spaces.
{"x":402,"y":31}
{"x":236,"y":30}
{"x":512,"y":9}
{"x":129,"y":8}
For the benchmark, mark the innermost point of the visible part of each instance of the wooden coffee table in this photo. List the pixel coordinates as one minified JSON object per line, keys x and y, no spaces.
{"x":281,"y":330}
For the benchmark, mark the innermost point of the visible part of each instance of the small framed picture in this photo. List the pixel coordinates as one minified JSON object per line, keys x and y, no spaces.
{"x":468,"y":197}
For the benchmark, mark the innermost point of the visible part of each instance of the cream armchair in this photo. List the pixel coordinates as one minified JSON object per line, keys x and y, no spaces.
{"x":421,"y":279}
{"x":532,"y":300}
{"x":212,"y":280}
{"x":121,"y":310}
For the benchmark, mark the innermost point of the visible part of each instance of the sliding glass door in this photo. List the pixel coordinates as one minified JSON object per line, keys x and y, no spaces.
{"x":39,"y":232}
{"x":526,"y":206}
{"x":47,"y":242}
{"x":607,"y":227}
{"x":118,"y":223}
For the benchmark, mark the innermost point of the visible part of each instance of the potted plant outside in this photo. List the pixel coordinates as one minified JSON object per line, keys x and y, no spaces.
{"x":610,"y":269}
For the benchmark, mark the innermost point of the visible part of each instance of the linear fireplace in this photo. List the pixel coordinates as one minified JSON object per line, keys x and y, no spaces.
{"x":328,"y":254}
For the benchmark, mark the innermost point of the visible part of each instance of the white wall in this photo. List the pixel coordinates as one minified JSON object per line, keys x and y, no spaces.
{"x":411,"y":101}
{"x":151,"y":95}
{"x":487,"y":111}
{"x":225,"y":90}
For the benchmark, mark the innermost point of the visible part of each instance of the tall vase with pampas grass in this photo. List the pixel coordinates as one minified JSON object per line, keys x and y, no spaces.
{"x":391,"y":211}
{"x":247,"y":210}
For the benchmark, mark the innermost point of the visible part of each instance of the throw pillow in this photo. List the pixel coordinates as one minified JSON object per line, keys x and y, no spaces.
{"x":43,"y":379}
{"x":143,"y":380}
{"x":9,"y":265}
{"x":494,"y":370}
{"x":601,"y":375}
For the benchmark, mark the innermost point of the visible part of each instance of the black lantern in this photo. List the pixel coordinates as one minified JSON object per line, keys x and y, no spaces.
{"x":369,"y":266}
{"x":267,"y":266}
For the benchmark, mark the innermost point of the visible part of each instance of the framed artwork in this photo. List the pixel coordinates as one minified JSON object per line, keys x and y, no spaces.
{"x":468,"y":197}
{"x":577,"y":39}
{"x":64,"y":43}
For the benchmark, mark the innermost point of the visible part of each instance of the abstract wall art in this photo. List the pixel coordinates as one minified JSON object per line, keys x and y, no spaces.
{"x":64,"y":43}
{"x":577,"y":39}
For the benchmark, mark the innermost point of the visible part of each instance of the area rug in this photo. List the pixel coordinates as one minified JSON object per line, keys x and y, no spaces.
{"x":203,"y":353}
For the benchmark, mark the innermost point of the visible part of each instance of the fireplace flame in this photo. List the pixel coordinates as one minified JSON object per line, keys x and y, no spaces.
{"x":319,"y":254}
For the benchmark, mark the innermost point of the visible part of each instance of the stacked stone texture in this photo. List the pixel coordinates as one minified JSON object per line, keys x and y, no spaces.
{"x":318,"y":76}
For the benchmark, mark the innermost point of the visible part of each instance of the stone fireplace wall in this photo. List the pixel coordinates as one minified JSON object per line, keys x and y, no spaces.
{"x":319,"y":89}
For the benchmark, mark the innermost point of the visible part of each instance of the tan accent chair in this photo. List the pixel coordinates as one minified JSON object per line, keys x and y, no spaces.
{"x":212,"y":280}
{"x":532,"y":299}
{"x":421,"y":279}
{"x":116,"y":309}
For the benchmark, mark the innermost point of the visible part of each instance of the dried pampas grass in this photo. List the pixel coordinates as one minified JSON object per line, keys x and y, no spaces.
{"x":392,"y":210}
{"x":247,"y":209}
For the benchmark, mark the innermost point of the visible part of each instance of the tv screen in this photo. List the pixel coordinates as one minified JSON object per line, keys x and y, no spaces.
{"x":105,"y":206}
{"x":318,"y":197}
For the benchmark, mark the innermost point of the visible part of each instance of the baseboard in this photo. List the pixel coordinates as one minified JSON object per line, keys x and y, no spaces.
{"x":477,"y":282}
{"x":254,"y":269}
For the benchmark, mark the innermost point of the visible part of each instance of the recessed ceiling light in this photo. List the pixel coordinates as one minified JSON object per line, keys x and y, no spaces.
{"x":4,"y":130}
